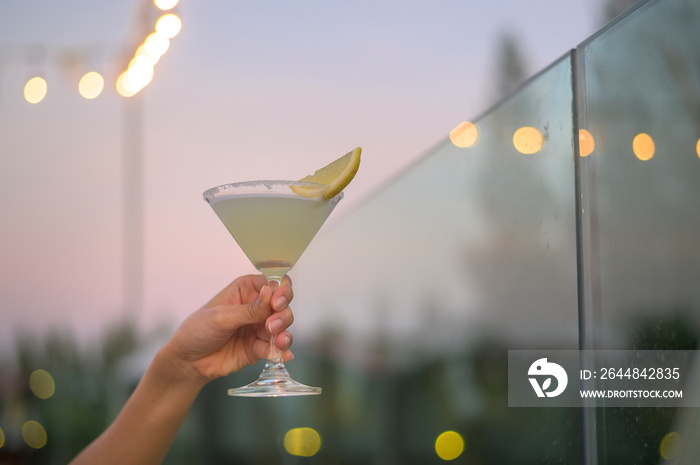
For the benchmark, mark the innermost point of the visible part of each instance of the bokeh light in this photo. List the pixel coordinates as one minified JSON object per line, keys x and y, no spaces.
{"x":122,"y":86}
{"x":2,"y":438}
{"x":91,"y":85}
{"x":528,"y":140}
{"x":643,"y":146}
{"x":586,"y":143}
{"x":165,"y":4}
{"x":669,"y":445}
{"x":464,"y":135}
{"x":697,"y":148}
{"x":35,"y":90}
{"x":302,"y":442}
{"x":34,"y":434}
{"x":168,"y":25}
{"x":449,"y":445}
{"x":41,"y":384}
{"x":156,"y":45}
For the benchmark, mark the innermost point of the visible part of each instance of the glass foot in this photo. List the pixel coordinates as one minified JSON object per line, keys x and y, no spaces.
{"x":274,"y":381}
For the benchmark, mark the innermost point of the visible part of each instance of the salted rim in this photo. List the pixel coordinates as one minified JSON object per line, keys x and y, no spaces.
{"x":214,"y":194}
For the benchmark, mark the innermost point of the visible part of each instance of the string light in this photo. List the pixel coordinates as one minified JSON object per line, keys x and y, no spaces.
{"x":165,"y":4}
{"x":91,"y":85}
{"x":141,"y":68}
{"x":35,"y":90}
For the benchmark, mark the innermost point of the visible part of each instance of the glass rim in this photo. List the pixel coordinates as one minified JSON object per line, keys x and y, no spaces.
{"x":261,"y":186}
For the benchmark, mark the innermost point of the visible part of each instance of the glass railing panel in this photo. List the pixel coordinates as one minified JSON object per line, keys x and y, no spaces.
{"x":640,"y":103}
{"x":417,"y":295}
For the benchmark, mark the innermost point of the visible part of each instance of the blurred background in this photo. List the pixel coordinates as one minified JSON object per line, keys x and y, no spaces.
{"x":440,"y":258}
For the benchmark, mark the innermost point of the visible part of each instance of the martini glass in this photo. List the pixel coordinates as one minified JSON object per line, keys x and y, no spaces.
{"x":273,"y":225}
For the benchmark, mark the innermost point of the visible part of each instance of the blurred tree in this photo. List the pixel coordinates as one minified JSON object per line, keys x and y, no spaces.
{"x":511,"y":69}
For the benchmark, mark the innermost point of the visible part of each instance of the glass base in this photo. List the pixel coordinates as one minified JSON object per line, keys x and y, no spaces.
{"x":274,"y":381}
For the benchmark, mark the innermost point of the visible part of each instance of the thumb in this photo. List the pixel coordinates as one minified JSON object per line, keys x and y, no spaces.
{"x":257,"y":311}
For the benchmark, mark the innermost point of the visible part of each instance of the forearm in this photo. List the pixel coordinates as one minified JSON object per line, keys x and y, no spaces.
{"x":145,"y":428}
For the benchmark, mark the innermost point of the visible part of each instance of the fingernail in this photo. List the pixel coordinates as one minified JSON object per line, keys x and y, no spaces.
{"x":262,"y":293}
{"x":274,"y":326}
{"x":279,"y":303}
{"x":287,"y":341}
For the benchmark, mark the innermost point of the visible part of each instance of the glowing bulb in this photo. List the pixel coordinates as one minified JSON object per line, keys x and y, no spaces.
{"x":165,"y":4}
{"x":41,"y":384}
{"x":528,"y":140}
{"x":302,"y":442}
{"x":449,"y":445}
{"x":643,"y":146}
{"x":91,"y":85}
{"x":156,"y":45}
{"x":34,"y":434}
{"x":35,"y":90}
{"x":123,"y":87}
{"x":669,"y":445}
{"x":464,"y":135}
{"x":586,"y":143}
{"x":168,"y":25}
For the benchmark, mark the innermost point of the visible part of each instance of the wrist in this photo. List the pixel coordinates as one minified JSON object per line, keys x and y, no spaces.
{"x":176,"y":372}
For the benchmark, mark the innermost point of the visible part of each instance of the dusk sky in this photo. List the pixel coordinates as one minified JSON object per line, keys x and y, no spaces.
{"x":247,"y":90}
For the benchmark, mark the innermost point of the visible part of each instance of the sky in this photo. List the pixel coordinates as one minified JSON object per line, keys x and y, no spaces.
{"x":247,"y":90}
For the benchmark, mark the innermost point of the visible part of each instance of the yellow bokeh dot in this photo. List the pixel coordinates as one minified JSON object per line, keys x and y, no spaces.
{"x":464,"y":135}
{"x":2,"y":438}
{"x":35,"y":90}
{"x":697,"y":148}
{"x":42,"y":384}
{"x":34,"y":434}
{"x":169,"y":25}
{"x":669,"y":445}
{"x":643,"y":146}
{"x":586,"y":143}
{"x":302,"y":442}
{"x":91,"y":85}
{"x":449,"y":445}
{"x":165,"y":4}
{"x":528,"y":140}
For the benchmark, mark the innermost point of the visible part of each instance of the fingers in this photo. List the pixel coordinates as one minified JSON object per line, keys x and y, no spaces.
{"x":283,"y":341}
{"x":282,"y":295}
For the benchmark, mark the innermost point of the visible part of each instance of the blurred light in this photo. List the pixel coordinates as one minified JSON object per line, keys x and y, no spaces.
{"x":168,"y":25}
{"x":449,"y":445}
{"x":669,"y":445}
{"x":121,"y":86}
{"x":464,"y":135}
{"x":586,"y":143}
{"x":643,"y":146}
{"x":91,"y":85}
{"x":165,"y":4}
{"x":528,"y":140}
{"x":35,"y":90}
{"x":302,"y":442}
{"x":42,"y":384}
{"x":2,"y":438}
{"x":34,"y":434}
{"x":139,"y":75}
{"x":156,"y":45}
{"x":142,"y":55}
{"x":697,"y":148}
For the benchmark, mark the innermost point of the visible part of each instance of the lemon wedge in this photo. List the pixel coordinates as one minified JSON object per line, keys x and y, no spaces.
{"x":335,"y":176}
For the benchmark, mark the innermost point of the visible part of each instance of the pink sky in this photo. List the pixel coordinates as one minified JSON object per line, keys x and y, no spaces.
{"x":247,"y":90}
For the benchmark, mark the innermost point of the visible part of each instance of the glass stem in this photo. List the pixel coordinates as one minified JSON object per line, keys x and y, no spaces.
{"x":274,"y":355}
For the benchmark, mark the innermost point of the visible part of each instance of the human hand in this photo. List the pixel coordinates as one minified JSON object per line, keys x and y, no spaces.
{"x":233,"y":329}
